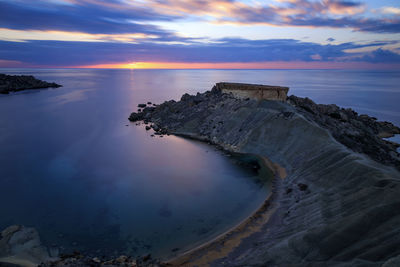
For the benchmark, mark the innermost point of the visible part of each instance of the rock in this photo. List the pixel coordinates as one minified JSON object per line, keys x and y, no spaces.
{"x":121,"y":259}
{"x":136,"y":117}
{"x":7,"y":264}
{"x":149,"y":103}
{"x":54,"y":251}
{"x":141,"y":105}
{"x":148,"y":128}
{"x":96,"y":260}
{"x":83,"y":261}
{"x":146,"y":257}
{"x":108,"y":263}
{"x":392,"y":262}
{"x":185,"y":97}
{"x":360,"y":133}
{"x":14,"y":83}
{"x":21,"y":244}
{"x":302,"y":187}
{"x":5,"y":236}
{"x":353,"y":173}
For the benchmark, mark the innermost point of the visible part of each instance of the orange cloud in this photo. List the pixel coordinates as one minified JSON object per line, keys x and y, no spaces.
{"x":240,"y":13}
{"x":216,"y":9}
{"x":390,"y":10}
{"x":24,"y":35}
{"x":338,"y":8}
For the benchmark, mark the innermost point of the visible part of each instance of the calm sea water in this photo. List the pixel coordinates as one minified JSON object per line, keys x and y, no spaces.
{"x":72,"y":165}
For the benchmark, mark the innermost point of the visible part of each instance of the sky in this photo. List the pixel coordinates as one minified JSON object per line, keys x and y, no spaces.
{"x":227,"y":34}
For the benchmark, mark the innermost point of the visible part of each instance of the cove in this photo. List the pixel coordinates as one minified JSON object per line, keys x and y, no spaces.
{"x":87,"y":179}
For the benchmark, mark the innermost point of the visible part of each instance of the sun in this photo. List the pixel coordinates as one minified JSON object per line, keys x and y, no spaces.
{"x":132,"y":65}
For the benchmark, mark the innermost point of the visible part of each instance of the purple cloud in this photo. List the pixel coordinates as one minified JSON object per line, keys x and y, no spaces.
{"x":56,"y":53}
{"x":88,"y":18}
{"x":119,"y":17}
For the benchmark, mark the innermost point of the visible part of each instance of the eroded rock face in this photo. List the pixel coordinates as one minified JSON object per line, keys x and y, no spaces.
{"x":13,"y":83}
{"x":361,"y":133}
{"x":21,"y":245}
{"x":339,"y":203}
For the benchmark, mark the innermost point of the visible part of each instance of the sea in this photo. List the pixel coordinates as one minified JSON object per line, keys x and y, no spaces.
{"x":73,"y":167}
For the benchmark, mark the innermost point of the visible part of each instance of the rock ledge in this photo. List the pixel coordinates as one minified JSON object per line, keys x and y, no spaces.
{"x":14,"y":83}
{"x":337,"y":206}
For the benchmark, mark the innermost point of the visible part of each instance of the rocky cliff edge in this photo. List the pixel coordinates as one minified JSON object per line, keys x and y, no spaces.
{"x":337,"y":206}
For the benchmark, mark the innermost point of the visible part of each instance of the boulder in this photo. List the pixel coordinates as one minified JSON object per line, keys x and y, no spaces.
{"x":136,"y":116}
{"x":21,"y":245}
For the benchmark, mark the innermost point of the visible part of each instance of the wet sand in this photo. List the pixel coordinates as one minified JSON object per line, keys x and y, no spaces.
{"x":225,"y":243}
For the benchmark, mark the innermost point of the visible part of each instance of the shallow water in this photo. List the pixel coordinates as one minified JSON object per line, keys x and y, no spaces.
{"x":74,"y":167}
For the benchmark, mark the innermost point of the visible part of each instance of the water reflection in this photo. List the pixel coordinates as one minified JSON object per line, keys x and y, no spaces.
{"x":73,"y":167}
{"x":72,"y":96}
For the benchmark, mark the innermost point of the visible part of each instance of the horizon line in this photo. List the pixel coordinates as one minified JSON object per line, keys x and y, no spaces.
{"x":284,"y":65}
{"x":132,"y":69}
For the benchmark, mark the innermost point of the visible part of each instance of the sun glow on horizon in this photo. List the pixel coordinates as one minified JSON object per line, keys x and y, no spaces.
{"x":240,"y":65}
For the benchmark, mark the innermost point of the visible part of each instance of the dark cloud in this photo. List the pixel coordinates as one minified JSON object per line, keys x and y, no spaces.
{"x":347,"y":3}
{"x":114,"y":16}
{"x":56,"y":53}
{"x":88,"y":18}
{"x":359,"y":24}
{"x":381,"y":56}
{"x":326,"y":13}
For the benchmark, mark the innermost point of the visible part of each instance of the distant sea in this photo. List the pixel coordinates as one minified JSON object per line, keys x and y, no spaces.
{"x":75,"y":168}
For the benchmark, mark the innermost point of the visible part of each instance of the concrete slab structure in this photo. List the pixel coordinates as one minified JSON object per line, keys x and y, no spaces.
{"x":254,"y":91}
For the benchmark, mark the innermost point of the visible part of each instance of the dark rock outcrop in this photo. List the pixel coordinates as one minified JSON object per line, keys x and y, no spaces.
{"x":337,"y":206}
{"x":79,"y":260}
{"x":361,"y":133}
{"x":21,"y":246}
{"x":14,"y":83}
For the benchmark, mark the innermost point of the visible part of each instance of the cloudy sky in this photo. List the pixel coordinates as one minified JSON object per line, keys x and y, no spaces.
{"x":200,"y":33}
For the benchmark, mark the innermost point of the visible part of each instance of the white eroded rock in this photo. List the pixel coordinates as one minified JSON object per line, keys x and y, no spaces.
{"x":21,"y":245}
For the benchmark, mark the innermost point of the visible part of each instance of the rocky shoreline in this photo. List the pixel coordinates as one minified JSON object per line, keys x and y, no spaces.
{"x":360,"y":133}
{"x":337,"y":206}
{"x":335,"y":193}
{"x":15,"y":83}
{"x":21,"y":246}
